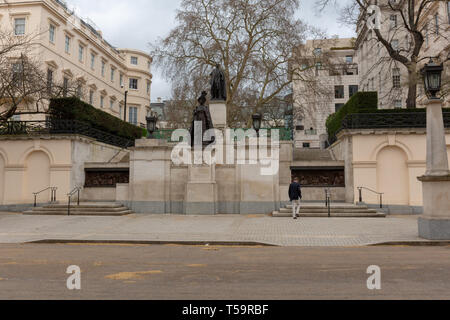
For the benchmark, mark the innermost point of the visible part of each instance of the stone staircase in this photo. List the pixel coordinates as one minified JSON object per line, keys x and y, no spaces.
{"x":84,"y":209}
{"x":341,"y":210}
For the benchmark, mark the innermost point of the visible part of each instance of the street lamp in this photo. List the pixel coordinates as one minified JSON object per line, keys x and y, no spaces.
{"x":432,"y":78}
{"x":257,"y":122}
{"x":151,"y":124}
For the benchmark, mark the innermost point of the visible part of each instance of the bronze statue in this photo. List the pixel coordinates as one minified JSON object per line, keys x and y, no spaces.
{"x":218,"y":85}
{"x":202,"y":114}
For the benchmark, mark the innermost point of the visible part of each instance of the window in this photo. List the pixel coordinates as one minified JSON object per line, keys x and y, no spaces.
{"x":103,"y":68}
{"x":349,"y":59}
{"x":17,"y":69}
{"x":317,"y":51}
{"x":397,"y":104}
{"x":120,"y":110}
{"x":102,"y":101}
{"x":19,"y":26}
{"x":352,"y":90}
{"x":51,"y":33}
{"x":393,"y":19}
{"x":133,"y":83}
{"x":67,"y":44}
{"x":338,"y":106}
{"x":394,"y":44}
{"x":436,"y":23}
{"x":111,"y":104}
{"x":149,"y":66}
{"x":79,"y":91}
{"x":91,"y":97}
{"x":427,"y":35}
{"x":92,"y":61}
{"x":80,"y":53}
{"x":15,"y":117}
{"x":448,"y":11}
{"x":339,"y":92}
{"x":112,"y":74}
{"x":49,"y":80}
{"x":306,"y":145}
{"x":134,"y":60}
{"x":133,"y":115}
{"x":65,"y":86}
{"x":396,"y":78}
{"x":148,"y":87}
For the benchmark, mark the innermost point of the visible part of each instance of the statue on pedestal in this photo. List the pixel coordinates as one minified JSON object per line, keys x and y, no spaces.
{"x":218,"y":85}
{"x":202,"y":114}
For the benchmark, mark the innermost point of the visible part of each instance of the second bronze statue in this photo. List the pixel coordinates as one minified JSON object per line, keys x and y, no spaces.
{"x":218,"y":85}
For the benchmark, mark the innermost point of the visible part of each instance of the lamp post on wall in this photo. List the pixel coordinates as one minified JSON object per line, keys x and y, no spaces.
{"x":257,"y":119}
{"x":151,"y":124}
{"x":435,"y":223}
{"x":125,"y":106}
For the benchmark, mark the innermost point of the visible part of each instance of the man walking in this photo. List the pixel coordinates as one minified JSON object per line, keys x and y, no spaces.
{"x":295,"y":195}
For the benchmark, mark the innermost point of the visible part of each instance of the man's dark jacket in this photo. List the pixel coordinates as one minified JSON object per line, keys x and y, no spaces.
{"x":295,"y":192}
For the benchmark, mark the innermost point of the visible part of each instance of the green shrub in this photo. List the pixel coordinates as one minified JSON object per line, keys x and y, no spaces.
{"x":360,"y":102}
{"x":75,"y":109}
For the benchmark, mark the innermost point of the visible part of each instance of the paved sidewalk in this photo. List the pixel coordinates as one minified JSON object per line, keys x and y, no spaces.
{"x":18,"y":228}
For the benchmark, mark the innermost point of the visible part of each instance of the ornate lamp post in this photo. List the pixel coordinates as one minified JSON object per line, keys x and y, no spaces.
{"x":151,"y":124}
{"x":435,"y":223}
{"x":257,"y":119}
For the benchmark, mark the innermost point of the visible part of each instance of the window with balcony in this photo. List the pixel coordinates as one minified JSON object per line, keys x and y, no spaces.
{"x":19,"y":26}
{"x":339,"y":92}
{"x":133,"y":84}
{"x":51,"y":33}
{"x":352,"y":90}
{"x":81,"y":53}
{"x":67,"y":44}
{"x":132,"y":115}
{"x":396,"y":79}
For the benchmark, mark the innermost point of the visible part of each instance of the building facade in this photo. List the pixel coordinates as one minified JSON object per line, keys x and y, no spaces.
{"x":327,"y":79}
{"x":379,"y":72}
{"x":72,"y":49}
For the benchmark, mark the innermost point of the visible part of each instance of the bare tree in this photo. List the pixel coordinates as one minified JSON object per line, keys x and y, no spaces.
{"x":412,"y":16}
{"x":253,"y":41}
{"x":24,"y":87}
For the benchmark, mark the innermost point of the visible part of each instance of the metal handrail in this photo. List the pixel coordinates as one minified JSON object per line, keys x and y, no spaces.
{"x":360,"y":189}
{"x":328,"y":201}
{"x":52,"y":197}
{"x":70,"y":194}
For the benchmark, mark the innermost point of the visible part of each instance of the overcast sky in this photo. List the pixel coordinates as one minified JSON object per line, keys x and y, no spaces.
{"x":135,"y":23}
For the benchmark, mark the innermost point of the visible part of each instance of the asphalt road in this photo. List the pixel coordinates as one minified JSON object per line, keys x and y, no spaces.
{"x":38,"y":271}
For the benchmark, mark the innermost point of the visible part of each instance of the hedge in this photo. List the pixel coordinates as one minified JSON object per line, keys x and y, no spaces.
{"x":360,"y":102}
{"x":74,"y":109}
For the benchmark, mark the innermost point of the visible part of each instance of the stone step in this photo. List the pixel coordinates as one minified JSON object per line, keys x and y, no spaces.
{"x":76,"y":208}
{"x":333,"y":206}
{"x":278,"y":214}
{"x":85,"y":205}
{"x":337,"y":210}
{"x":78,"y":213}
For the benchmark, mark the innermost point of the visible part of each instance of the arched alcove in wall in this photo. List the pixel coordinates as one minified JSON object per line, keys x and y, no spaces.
{"x":37,"y":175}
{"x":393,"y":175}
{"x":2,"y":178}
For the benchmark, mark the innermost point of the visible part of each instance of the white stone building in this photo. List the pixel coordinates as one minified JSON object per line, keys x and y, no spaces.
{"x":326,"y":81}
{"x":73,"y":49}
{"x":379,"y":72}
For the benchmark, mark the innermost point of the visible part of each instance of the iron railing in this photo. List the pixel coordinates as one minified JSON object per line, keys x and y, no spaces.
{"x":386,"y":121}
{"x":52,"y":196}
{"x":58,"y":126}
{"x":70,"y":195}
{"x":380,"y":194}
{"x":389,"y":120}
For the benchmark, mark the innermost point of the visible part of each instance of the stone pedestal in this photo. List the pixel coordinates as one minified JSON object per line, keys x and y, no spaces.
{"x":218,"y":110}
{"x":201,"y":191}
{"x":435,"y":223}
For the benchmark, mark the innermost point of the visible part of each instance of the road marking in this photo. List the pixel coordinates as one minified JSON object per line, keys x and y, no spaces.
{"x":131,"y":275}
